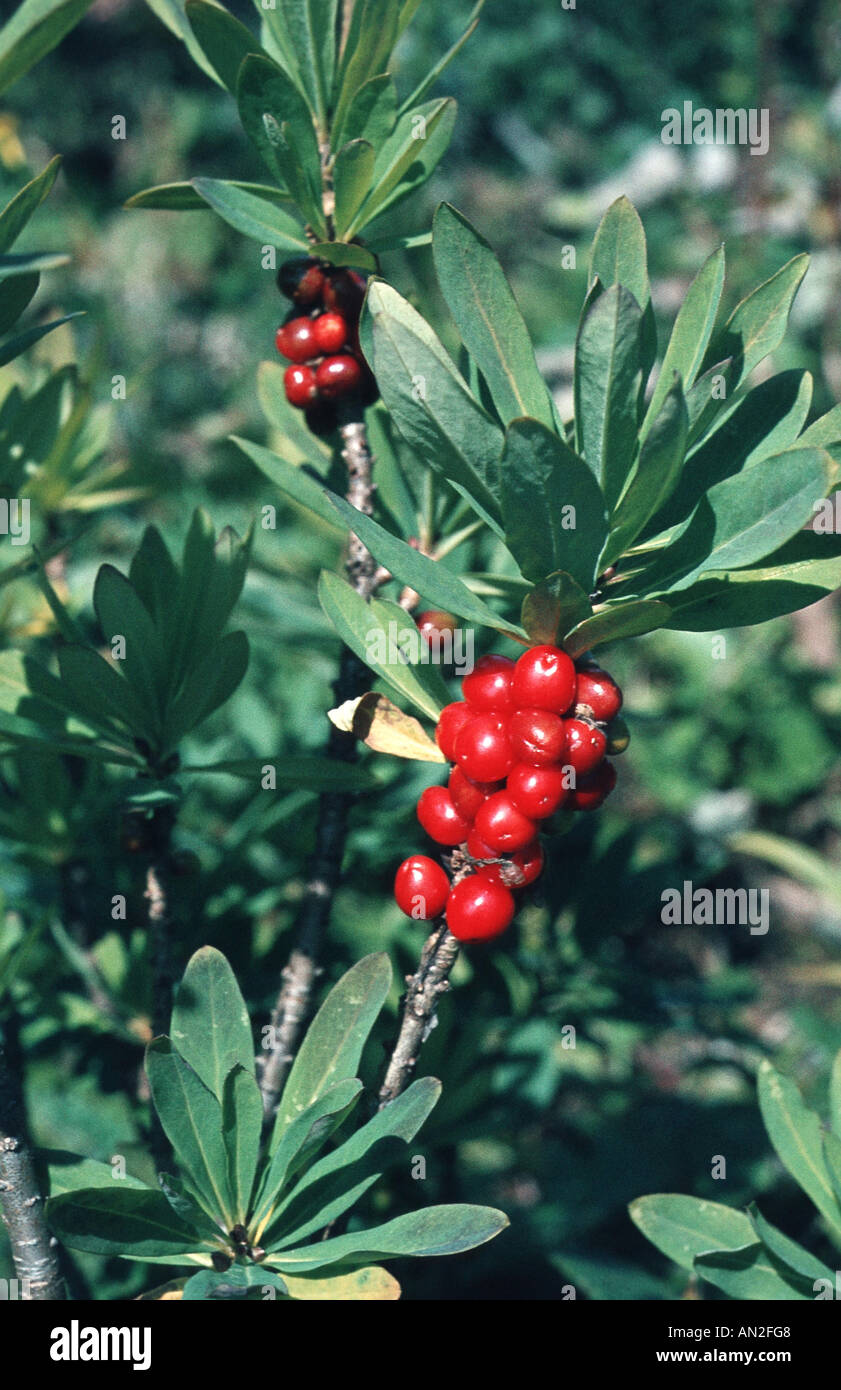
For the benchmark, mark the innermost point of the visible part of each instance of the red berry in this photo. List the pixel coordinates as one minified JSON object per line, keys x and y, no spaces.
{"x":544,"y":678}
{"x":537,"y":736}
{"x":302,"y":280}
{"x":591,"y":791}
{"x":537,"y":791}
{"x":337,"y":376}
{"x":433,"y":627}
{"x":421,"y":888}
{"x":296,"y":340}
{"x":330,"y":332}
{"x":482,"y":749}
{"x":599,"y":693}
{"x":468,"y":795}
{"x":522,"y":868}
{"x":489,"y":684}
{"x":585,"y":746}
{"x":479,"y":909}
{"x":439,"y":817}
{"x":477,"y":849}
{"x":299,"y":383}
{"x":502,"y":824}
{"x":344,"y":290}
{"x":452,"y":718}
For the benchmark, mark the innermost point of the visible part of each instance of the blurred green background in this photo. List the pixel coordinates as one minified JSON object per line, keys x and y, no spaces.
{"x":733,"y":777}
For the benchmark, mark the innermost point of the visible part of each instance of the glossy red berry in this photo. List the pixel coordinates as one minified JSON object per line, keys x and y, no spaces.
{"x":330,"y":332}
{"x":479,"y":909}
{"x":598,"y":693}
{"x":344,"y":291}
{"x":477,"y":849}
{"x":537,"y":791}
{"x":502,"y":825}
{"x":337,"y":377}
{"x":421,"y":888}
{"x":482,"y":749}
{"x":299,"y":384}
{"x":468,"y":795}
{"x":302,"y":280}
{"x":544,"y":678}
{"x":439,"y":817}
{"x":517,"y":870}
{"x":585,"y":746}
{"x":434,"y":625}
{"x":296,"y":340}
{"x":488,"y":686}
{"x":537,"y":736}
{"x":452,"y":718}
{"x":591,"y":791}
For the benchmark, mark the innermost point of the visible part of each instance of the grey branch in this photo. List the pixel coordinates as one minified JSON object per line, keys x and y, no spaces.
{"x":34,"y":1252}
{"x":324,"y":874}
{"x":424,"y":989}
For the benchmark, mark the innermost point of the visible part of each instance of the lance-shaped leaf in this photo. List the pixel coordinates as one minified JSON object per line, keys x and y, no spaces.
{"x":654,"y":475}
{"x":619,"y":256}
{"x":35,"y":27}
{"x":122,"y":614}
{"x":824,"y":431}
{"x":13,"y":347}
{"x":745,"y":518}
{"x":380,"y":634}
{"x":302,"y":1138}
{"x":15,"y":294}
{"x":254,"y":217}
{"x":223,"y":40}
{"x":236,"y":1282}
{"x":207,"y":686}
{"x":796,"y":1133}
{"x":334,"y":1040}
{"x":787,"y":1251}
{"x":553,"y":510}
{"x":607,"y":385}
{"x":488,"y":318}
{"x":553,"y":607}
{"x":99,"y":695}
{"x":690,"y":336}
{"x":429,"y":400}
{"x":752,"y":1273}
{"x":371,"y":115}
{"x":631,"y":617}
{"x":15,"y":263}
{"x":430,"y":577}
{"x":684,"y":1227}
{"x":428,"y":82}
{"x":69,"y":1172}
{"x":191,"y":1118}
{"x":210,"y":1025}
{"x":313,"y":774}
{"x":182,"y":197}
{"x":173,"y":15}
{"x":120,"y":1221}
{"x":444,"y":1230}
{"x":242,"y":1123}
{"x":333,"y":1184}
{"x":17,"y":213}
{"x":406,"y":160}
{"x":353,"y":172}
{"x":278,"y":121}
{"x":311,"y":31}
{"x":371,"y":36}
{"x":758,"y":324}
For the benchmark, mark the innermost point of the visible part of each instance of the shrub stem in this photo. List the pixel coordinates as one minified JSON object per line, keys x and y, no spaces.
{"x":34,"y":1252}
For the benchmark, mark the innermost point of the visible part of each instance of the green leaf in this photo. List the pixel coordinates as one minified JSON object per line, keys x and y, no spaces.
{"x":553,"y":510}
{"x":172,"y":13}
{"x":824,"y":431}
{"x":333,"y":1184}
{"x":311,"y":31}
{"x":488,"y":318}
{"x":187,"y":1208}
{"x":191,"y":1118}
{"x":371,"y":36}
{"x":352,"y":176}
{"x":254,"y":217}
{"x":630,"y":617}
{"x":210,"y":1026}
{"x":99,"y":694}
{"x":444,"y":1230}
{"x":278,"y":121}
{"x":750,"y":1273}
{"x":32,"y":31}
{"x":374,"y":631}
{"x":832,"y":1160}
{"x":15,"y":294}
{"x":618,"y":255}
{"x":653,"y":477}
{"x":299,"y":1141}
{"x":242,"y":1123}
{"x":346,"y":253}
{"x":835,"y":1094}
{"x":22,"y":262}
{"x":153,"y":575}
{"x":207,"y":686}
{"x":758,"y":324}
{"x":223,"y":40}
{"x":13,"y":347}
{"x":371,"y":114}
{"x":296,"y":482}
{"x":212,"y":1286}
{"x":787,"y":1251}
{"x":432,"y":578}
{"x":428,"y":82}
{"x":607,"y":385}
{"x":684,"y":1227}
{"x":553,"y":607}
{"x":312,"y":773}
{"x":17,"y":213}
{"x":334,"y":1040}
{"x":408,"y":158}
{"x":120,"y":1221}
{"x":429,"y":401}
{"x":795,"y":1131}
{"x":745,"y":518}
{"x":68,"y":1172}
{"x":690,"y":335}
{"x":182,"y":197}
{"x":121,"y":613}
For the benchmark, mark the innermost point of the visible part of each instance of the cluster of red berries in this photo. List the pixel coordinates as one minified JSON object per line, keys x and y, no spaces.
{"x":530,"y":737}
{"x":320,"y":338}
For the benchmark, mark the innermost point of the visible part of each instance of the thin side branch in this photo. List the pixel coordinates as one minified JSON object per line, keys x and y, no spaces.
{"x":324,"y":874}
{"x":34,"y":1252}
{"x":425,"y":987}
